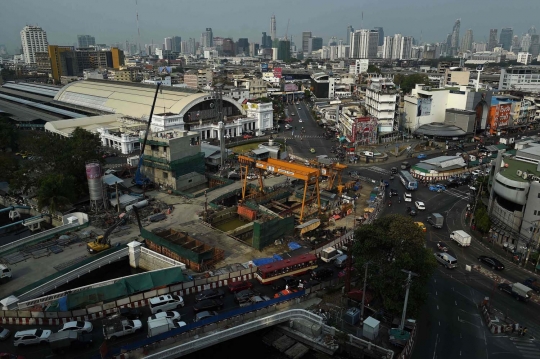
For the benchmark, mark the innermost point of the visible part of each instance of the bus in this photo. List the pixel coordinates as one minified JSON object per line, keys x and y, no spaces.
{"x":328,"y":254}
{"x":297,"y":265}
{"x":408,"y":180}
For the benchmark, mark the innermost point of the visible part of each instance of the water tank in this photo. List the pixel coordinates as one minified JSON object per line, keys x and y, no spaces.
{"x":95,"y":183}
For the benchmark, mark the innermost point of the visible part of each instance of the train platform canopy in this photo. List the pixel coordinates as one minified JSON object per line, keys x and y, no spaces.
{"x":66,"y":127}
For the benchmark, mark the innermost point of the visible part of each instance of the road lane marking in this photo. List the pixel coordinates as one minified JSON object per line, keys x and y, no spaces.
{"x":437,"y":307}
{"x":436,"y":340}
{"x":455,"y":302}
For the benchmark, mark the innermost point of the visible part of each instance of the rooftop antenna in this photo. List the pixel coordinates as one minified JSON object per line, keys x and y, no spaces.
{"x":138,"y":30}
{"x":362,"y":24}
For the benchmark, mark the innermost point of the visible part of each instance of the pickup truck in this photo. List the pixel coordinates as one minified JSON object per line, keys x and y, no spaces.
{"x":533,"y":284}
{"x":114,"y":328}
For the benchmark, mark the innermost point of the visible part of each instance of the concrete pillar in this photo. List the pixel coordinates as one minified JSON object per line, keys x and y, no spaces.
{"x":134,"y":254}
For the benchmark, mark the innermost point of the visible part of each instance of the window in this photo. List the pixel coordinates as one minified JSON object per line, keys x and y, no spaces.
{"x":165,"y":175}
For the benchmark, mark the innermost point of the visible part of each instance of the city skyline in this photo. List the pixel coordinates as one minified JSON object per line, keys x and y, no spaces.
{"x":156,"y":26}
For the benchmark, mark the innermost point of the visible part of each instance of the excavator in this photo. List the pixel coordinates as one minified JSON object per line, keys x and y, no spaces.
{"x":102,"y":243}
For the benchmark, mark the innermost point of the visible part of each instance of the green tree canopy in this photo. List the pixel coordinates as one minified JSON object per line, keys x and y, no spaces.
{"x":56,"y":192}
{"x":373,"y":69}
{"x":481,"y":219}
{"x":8,"y":134}
{"x":390,"y":244}
{"x":408,"y":82}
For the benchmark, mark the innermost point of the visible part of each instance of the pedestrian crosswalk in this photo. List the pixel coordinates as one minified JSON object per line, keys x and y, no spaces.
{"x":296,"y":136}
{"x":527,"y":347}
{"x":457,"y":193}
{"x":378,"y":170}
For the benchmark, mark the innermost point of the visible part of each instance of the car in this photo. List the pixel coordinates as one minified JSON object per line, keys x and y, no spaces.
{"x":209,"y":294}
{"x":130,"y":313}
{"x":322,"y":273}
{"x":259,"y":299}
{"x":386,"y":183}
{"x":393,"y":192}
{"x":420,"y":205}
{"x":492,"y":262}
{"x":284,"y":292}
{"x":300,"y":120}
{"x":77,"y":326}
{"x":208,"y":304}
{"x":437,"y":188}
{"x":453,"y":183}
{"x":288,"y":120}
{"x":421,"y":156}
{"x":4,"y":333}
{"x":407,"y":197}
{"x":31,"y":336}
{"x":171,"y":314}
{"x":244,"y":295}
{"x":299,"y":107}
{"x":165,"y":302}
{"x":293,"y":114}
{"x":477,"y":173}
{"x":204,"y":315}
{"x":247,"y":137}
{"x":10,"y":356}
{"x":239,"y":286}
{"x":422,"y":226}
{"x":411,"y":212}
{"x":285,"y":282}
{"x":442,"y":247}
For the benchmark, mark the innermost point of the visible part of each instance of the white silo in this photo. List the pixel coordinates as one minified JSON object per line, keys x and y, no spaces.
{"x":95,"y":186}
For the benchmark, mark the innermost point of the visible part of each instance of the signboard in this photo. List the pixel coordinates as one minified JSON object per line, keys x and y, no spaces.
{"x":264,"y":67}
{"x":424,"y":107}
{"x":165,"y":70}
{"x":278,"y":72}
{"x":504,"y":114}
{"x":289,"y":78}
{"x":290,"y":87}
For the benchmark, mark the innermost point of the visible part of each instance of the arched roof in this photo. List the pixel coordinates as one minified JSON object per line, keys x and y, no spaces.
{"x":132,"y":99}
{"x":439,"y":130}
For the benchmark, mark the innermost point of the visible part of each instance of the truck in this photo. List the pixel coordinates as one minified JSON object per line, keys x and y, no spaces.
{"x":517,"y":290}
{"x":462,"y":238}
{"x":436,"y":220}
{"x":69,"y":341}
{"x":114,"y":328}
{"x":533,"y":284}
{"x":162,"y":325}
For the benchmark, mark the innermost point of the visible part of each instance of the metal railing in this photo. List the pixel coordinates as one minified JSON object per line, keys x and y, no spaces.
{"x":65,"y":278}
{"x":34,"y":237}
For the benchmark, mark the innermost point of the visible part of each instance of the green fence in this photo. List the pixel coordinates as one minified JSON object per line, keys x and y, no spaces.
{"x":264,"y":234}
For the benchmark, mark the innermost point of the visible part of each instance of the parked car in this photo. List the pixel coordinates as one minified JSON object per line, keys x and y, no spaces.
{"x":247,"y":137}
{"x":322,"y":273}
{"x":209,"y":294}
{"x":165,"y":302}
{"x":204,"y":315}
{"x":477,"y":173}
{"x":171,"y":314}
{"x":130,"y":313}
{"x":492,"y":262}
{"x":208,"y":304}
{"x":239,"y":286}
{"x":77,"y":326}
{"x":284,"y":292}
{"x":31,"y":336}
{"x":244,"y":295}
{"x":283,"y":283}
{"x":421,"y":156}
{"x":4,"y":333}
{"x":420,"y":205}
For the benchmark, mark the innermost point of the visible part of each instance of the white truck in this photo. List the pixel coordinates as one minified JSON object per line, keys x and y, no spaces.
{"x":462,"y":238}
{"x":162,"y":325}
{"x":114,"y":328}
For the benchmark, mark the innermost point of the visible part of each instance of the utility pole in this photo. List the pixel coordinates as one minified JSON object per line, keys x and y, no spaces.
{"x":475,"y":202}
{"x":364,"y":293}
{"x":407,"y":285}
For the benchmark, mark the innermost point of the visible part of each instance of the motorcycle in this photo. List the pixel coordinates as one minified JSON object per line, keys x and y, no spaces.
{"x":442,"y":247}
{"x":389,"y":203}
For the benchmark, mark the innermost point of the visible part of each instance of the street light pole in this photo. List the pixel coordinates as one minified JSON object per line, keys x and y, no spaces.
{"x":364,"y":293}
{"x":407,"y":285}
{"x":535,"y":234}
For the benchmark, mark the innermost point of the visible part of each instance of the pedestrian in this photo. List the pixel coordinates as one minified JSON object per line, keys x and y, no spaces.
{"x":524,"y":331}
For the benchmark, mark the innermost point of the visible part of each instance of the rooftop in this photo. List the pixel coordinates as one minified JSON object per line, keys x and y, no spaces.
{"x":514,"y":165}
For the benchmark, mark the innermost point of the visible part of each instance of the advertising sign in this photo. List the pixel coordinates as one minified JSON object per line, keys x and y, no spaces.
{"x":165,"y":70}
{"x":288,"y":78}
{"x":264,"y":67}
{"x":290,"y":87}
{"x":424,"y":107}
{"x":278,"y":72}
{"x":504,"y":114}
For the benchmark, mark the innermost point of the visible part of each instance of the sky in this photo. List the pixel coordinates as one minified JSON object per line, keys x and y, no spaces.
{"x":111,"y":21}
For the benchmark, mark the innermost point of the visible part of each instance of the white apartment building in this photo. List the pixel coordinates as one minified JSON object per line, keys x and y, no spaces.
{"x":381,"y":102}
{"x":520,"y":78}
{"x":524,"y":58}
{"x":33,"y":39}
{"x":364,"y":44}
{"x":359,"y":66}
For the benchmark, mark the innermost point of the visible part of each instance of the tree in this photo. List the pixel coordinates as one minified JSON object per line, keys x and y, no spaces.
{"x":307,"y":94}
{"x":481,"y":219}
{"x":408,"y":82}
{"x":373,"y":69}
{"x":9,"y":166}
{"x":390,"y":244}
{"x":56,"y":192}
{"x":8,"y":134}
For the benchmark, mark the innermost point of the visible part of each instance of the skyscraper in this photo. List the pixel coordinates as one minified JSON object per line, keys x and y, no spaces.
{"x":207,"y":38}
{"x":168,"y":44}
{"x":381,"y":35}
{"x":531,"y":31}
{"x":405,"y":48}
{"x":306,"y":35}
{"x":315,"y":43}
{"x":466,"y":43}
{"x":492,"y":43}
{"x":506,"y":38}
{"x":534,"y":49}
{"x":364,"y":44}
{"x":350,"y":30}
{"x":84,"y":41}
{"x":273,"y":27}
{"x":525,"y":42}
{"x":516,"y":44}
{"x":388,"y":46}
{"x":176,"y":43}
{"x":33,"y":39}
{"x":454,"y":42}
{"x":396,"y":47}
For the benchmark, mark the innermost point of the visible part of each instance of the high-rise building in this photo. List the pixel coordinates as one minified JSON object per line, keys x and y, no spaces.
{"x":454,"y":43}
{"x":33,"y":39}
{"x":466,"y":43}
{"x":273,"y":27}
{"x":207,"y":38}
{"x":306,"y":35}
{"x":167,"y":44}
{"x":381,"y":35}
{"x":492,"y":43}
{"x":350,"y":30}
{"x":63,"y":61}
{"x":176,"y":44}
{"x":534,"y":49}
{"x":396,"y":46}
{"x":364,"y":44}
{"x":531,"y":31}
{"x":406,"y":47}
{"x":266,"y":41}
{"x":242,"y":46}
{"x":388,"y":47}
{"x":332,"y":41}
{"x":84,"y":41}
{"x":228,"y":47}
{"x":525,"y":42}
{"x":479,"y":46}
{"x":314,"y":44}
{"x":506,"y":38}
{"x":284,"y":50}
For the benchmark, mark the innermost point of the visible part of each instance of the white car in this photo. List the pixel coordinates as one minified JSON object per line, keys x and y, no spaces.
{"x":407,"y":197}
{"x":174,"y":315}
{"x":77,"y":326}
{"x":299,"y":108}
{"x":476,"y":172}
{"x":32,"y":336}
{"x":420,"y":205}
{"x":300,"y":120}
{"x":165,"y":302}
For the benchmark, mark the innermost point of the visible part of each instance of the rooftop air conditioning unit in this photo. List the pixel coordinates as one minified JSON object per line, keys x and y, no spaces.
{"x":519,"y":173}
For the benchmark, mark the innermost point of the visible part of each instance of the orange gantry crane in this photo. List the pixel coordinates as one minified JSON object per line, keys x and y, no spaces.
{"x":333,"y":172}
{"x":309,"y":175}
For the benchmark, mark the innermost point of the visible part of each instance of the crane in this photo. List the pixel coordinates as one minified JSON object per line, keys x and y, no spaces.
{"x":140,"y":179}
{"x":102,"y":242}
{"x":309,"y":175}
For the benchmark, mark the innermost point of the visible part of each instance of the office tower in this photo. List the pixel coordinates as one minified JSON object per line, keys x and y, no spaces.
{"x":525,"y":42}
{"x":454,"y":43}
{"x":168,"y":43}
{"x":406,"y":47}
{"x":306,"y":35}
{"x":531,"y":31}
{"x":381,"y":35}
{"x":84,"y":41}
{"x":516,"y":44}
{"x":364,"y":44}
{"x":273,"y":27}
{"x":492,"y":43}
{"x":534,"y":49}
{"x":466,"y":43}
{"x":207,"y":38}
{"x":314,"y":44}
{"x":242,"y":46}
{"x":506,"y":38}
{"x":176,"y":43}
{"x":350,"y":30}
{"x":388,"y":46}
{"x":33,"y":39}
{"x":396,"y":46}
{"x":332,"y":41}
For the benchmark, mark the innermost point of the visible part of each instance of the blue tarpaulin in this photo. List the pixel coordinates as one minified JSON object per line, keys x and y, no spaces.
{"x":294,"y":245}
{"x":262,"y":261}
{"x":277,"y":257}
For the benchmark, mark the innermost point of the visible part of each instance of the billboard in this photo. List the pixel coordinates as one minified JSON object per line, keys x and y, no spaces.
{"x":290,"y":87}
{"x":278,"y":72}
{"x":264,"y":67}
{"x":504,"y":114}
{"x":290,"y":78}
{"x":167,"y":70}
{"x":424,"y":107}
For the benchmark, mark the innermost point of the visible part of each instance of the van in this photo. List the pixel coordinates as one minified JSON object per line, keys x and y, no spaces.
{"x":446,"y":260}
{"x":341,"y":261}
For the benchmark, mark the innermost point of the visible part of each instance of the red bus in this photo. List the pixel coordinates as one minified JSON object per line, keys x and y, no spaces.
{"x":293,"y":266}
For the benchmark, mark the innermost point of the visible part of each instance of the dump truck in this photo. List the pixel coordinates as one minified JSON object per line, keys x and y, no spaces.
{"x":436,"y":220}
{"x":462,"y":238}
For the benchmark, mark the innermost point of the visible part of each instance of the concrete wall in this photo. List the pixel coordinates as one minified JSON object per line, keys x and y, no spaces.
{"x":224,"y":215}
{"x":241,"y":231}
{"x":150,"y":263}
{"x":189,"y":180}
